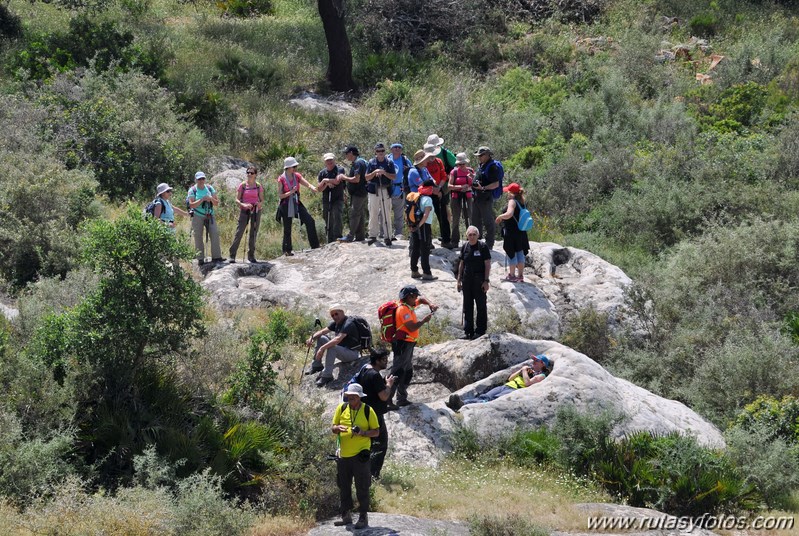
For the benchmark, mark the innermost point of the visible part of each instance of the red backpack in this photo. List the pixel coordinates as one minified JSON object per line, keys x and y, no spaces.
{"x":387,"y":313}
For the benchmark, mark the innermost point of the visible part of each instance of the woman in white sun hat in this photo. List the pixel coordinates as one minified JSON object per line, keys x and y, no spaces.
{"x":291,"y":207}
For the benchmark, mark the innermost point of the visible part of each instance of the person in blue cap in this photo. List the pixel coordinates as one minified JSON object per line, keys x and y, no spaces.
{"x":399,"y":187}
{"x":526,"y":376}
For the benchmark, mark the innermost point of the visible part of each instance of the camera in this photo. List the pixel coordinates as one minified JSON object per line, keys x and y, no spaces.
{"x":356,"y":429}
{"x":476,"y":183}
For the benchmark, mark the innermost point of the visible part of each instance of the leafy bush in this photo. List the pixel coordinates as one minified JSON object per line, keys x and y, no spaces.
{"x":509,"y":525}
{"x":375,"y":68}
{"x":770,"y":463}
{"x":529,"y":446}
{"x":584,"y":440}
{"x":703,"y":25}
{"x":40,"y":218}
{"x":589,"y":334}
{"x":87,"y":42}
{"x":10,"y":24}
{"x":246,"y":8}
{"x":121,"y":125}
{"x":238,"y":71}
{"x":772,"y":418}
{"x":202,"y":509}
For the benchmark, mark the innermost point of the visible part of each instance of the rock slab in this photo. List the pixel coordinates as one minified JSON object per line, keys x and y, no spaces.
{"x":393,"y":524}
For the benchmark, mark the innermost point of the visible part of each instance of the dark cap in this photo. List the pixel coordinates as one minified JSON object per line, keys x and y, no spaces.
{"x":408,"y":291}
{"x":351,"y":149}
{"x":482,"y":150}
{"x":379,"y":146}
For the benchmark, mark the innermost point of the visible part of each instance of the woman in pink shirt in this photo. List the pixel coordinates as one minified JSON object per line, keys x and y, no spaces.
{"x":250,"y":199}
{"x":291,"y":207}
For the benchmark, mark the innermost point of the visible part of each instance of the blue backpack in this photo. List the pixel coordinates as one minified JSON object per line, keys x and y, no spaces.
{"x":525,"y":221}
{"x":501,"y":172}
{"x":355,"y":379}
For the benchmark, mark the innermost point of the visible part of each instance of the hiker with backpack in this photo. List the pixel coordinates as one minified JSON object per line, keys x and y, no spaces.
{"x":380,"y":174}
{"x":420,"y":229}
{"x":162,"y":209}
{"x":474,"y":268}
{"x":291,"y":207}
{"x":332,"y":189}
{"x":344,"y":344}
{"x":460,"y":185}
{"x":516,"y":244}
{"x":440,"y":195}
{"x":528,"y":374}
{"x":202,"y":199}
{"x":406,"y":334}
{"x":418,"y":173}
{"x":250,"y":199}
{"x":487,"y":188}
{"x":355,"y":425}
{"x":377,"y":389}
{"x":356,"y":187}
{"x":399,"y":187}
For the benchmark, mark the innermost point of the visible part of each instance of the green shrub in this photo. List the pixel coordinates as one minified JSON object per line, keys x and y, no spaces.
{"x":527,"y":157}
{"x":466,"y":443}
{"x":585,"y":440}
{"x":526,"y":447}
{"x":389,"y":93}
{"x":127,"y":127}
{"x":703,"y":25}
{"x":772,"y":418}
{"x":238,"y":71}
{"x":246,"y":8}
{"x":10,"y":23}
{"x":379,"y":67}
{"x":508,"y":525}
{"x":87,"y":42}
{"x":770,"y":463}
{"x":588,"y":333}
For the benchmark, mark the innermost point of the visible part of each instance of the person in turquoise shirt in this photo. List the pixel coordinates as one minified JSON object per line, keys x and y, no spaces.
{"x":203,"y":200}
{"x":163,"y":209}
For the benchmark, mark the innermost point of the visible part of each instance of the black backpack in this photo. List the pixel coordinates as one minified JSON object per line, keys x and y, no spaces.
{"x":149,"y":210}
{"x":364,"y":333}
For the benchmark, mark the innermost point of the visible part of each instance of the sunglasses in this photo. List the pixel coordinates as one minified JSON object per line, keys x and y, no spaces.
{"x":250,"y":173}
{"x":380,"y":151}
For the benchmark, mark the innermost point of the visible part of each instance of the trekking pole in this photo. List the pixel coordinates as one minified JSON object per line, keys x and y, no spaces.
{"x":389,"y":235}
{"x":317,"y":323}
{"x":207,"y":225}
{"x":329,"y":211}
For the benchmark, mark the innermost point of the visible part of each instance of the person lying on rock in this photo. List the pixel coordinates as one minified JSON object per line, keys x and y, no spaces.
{"x":526,"y":376}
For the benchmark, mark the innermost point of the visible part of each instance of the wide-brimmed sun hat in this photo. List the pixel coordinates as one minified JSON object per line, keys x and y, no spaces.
{"x":420,"y":156}
{"x":163,"y":187}
{"x":433,"y":139}
{"x":290,"y":162}
{"x":461,"y":158}
{"x":432,"y":149}
{"x":354,"y":389}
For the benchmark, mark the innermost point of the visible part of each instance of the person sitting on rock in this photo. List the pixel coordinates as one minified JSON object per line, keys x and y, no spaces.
{"x":524,"y":377}
{"x":344,"y":346}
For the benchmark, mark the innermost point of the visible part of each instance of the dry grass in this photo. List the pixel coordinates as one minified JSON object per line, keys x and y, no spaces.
{"x":459,"y":489}
{"x":282,"y":526}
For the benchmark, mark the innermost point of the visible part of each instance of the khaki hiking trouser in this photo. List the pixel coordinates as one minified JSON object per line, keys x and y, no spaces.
{"x":198,"y":227}
{"x":380,"y":213}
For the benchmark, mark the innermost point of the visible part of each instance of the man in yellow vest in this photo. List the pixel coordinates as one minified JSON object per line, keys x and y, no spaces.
{"x":524,"y":377}
{"x":355,"y":424}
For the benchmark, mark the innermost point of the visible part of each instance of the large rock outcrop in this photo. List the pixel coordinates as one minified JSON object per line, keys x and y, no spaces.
{"x":560,"y":282}
{"x":421,"y":432}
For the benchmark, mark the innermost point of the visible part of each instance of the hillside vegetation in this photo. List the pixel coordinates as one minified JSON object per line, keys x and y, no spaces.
{"x":662,"y":135}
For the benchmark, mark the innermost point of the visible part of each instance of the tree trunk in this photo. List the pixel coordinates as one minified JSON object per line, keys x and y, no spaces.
{"x":339,"y":66}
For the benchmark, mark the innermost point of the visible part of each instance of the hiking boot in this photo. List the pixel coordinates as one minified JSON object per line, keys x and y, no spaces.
{"x":252,"y":260}
{"x":391,"y":406}
{"x":454,"y":402}
{"x":371,"y":241}
{"x":316,"y":366}
{"x":232,"y":260}
{"x":324,"y":380}
{"x":466,"y":337}
{"x":428,"y":277}
{"x":387,"y":242}
{"x":398,"y":237}
{"x":200,"y":263}
{"x":288,"y":254}
{"x":416,"y":275}
{"x":403,"y":403}
{"x":345,"y":239}
{"x":363,"y":522}
{"x":217,"y":259}
{"x":346,"y":519}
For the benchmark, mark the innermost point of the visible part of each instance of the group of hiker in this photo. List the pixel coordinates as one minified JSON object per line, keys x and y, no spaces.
{"x":359,"y":422}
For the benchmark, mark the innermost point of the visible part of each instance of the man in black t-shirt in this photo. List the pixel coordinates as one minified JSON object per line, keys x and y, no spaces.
{"x":332,"y":189}
{"x":377,"y":390}
{"x":474,"y":268}
{"x":344,"y":345}
{"x":356,"y":187}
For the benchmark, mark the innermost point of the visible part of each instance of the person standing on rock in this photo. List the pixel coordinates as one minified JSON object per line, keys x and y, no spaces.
{"x":407,"y":333}
{"x":291,"y":207}
{"x":486,"y":181}
{"x":380,"y":173}
{"x":526,"y":376}
{"x":250,"y":199}
{"x":377,"y":390}
{"x":460,"y":186}
{"x":202,"y":199}
{"x":332,"y":189}
{"x":515,"y":241}
{"x":356,"y":187}
{"x":440,"y":195}
{"x":344,"y":345}
{"x":399,"y":187}
{"x":355,"y":424}
{"x":474,"y":268}
{"x":421,"y":234}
